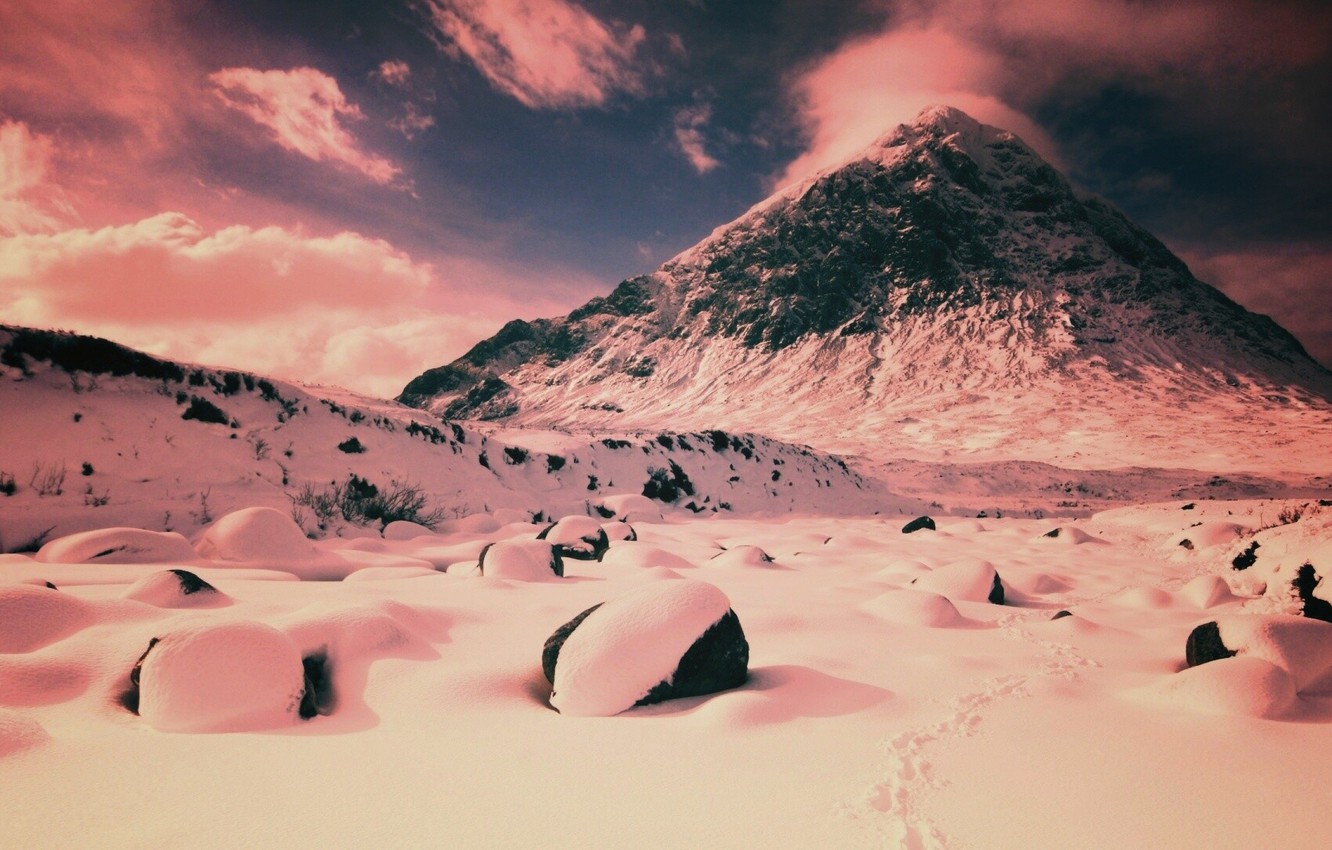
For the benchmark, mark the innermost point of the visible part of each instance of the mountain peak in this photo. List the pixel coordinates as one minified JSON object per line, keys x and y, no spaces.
{"x":948,"y":268}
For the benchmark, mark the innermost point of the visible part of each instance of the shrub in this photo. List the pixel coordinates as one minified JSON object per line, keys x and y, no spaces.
{"x":205,"y":411}
{"x":554,"y":463}
{"x":360,"y":501}
{"x":7,"y":485}
{"x":514,"y":455}
{"x":667,"y":485}
{"x":87,"y":469}
{"x":351,"y":446}
{"x":47,"y":480}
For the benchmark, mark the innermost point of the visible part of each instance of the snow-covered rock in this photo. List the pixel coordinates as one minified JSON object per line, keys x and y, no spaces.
{"x":744,"y":555}
{"x":524,"y":560}
{"x":669,"y":639}
{"x":909,"y":606}
{"x":256,"y":534}
{"x":118,"y":546}
{"x":971,"y":581}
{"x":578,"y":537}
{"x":221,"y":677}
{"x":401,"y":529}
{"x":176,"y":589}
{"x":1244,"y":686}
{"x":1300,"y":646}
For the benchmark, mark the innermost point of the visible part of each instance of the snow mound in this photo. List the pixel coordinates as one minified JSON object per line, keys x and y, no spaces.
{"x":743,"y":555}
{"x":27,"y":680}
{"x":221,"y":677}
{"x":969,"y":581}
{"x":390,"y":573}
{"x":1300,"y":646}
{"x":350,"y":632}
{"x":256,"y":534}
{"x":642,"y":556}
{"x":19,"y":732}
{"x":118,"y":546}
{"x":616,"y":531}
{"x":475,"y":524}
{"x":1068,"y":535}
{"x":524,"y":560}
{"x":176,"y":589}
{"x":401,"y":529}
{"x":1207,"y":592}
{"x":914,"y":607}
{"x":33,"y":617}
{"x":1243,"y":686}
{"x":616,"y":654}
{"x":630,"y":507}
{"x":578,"y":537}
{"x":1205,"y":535}
{"x":442,"y":557}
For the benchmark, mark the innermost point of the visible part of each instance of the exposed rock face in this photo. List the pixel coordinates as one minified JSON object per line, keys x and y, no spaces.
{"x":944,"y":270}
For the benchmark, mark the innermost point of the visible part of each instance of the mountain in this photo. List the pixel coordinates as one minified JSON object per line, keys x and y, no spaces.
{"x":944,"y":295}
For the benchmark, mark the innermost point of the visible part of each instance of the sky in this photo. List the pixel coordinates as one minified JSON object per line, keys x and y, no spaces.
{"x":352,"y":192}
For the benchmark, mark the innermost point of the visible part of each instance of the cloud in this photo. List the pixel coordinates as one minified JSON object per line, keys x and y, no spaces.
{"x":25,"y":199}
{"x":1003,"y":60}
{"x":546,"y":54}
{"x":305,"y":110}
{"x":411,"y":123}
{"x":395,"y":72}
{"x":1289,"y":284}
{"x":168,"y":269}
{"x":689,"y":124}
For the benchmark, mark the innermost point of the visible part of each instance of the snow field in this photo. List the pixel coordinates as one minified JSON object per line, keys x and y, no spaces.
{"x":876,"y":713}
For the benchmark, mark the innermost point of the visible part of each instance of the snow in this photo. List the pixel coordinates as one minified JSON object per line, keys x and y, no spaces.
{"x":256,"y":534}
{"x":630,"y":644}
{"x":521,"y":560}
{"x":877,"y":713}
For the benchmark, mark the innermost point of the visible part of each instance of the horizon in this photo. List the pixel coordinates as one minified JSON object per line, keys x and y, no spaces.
{"x":353,"y":195}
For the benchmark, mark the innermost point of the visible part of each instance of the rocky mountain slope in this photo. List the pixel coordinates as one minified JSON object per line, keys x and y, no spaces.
{"x":943,"y":296}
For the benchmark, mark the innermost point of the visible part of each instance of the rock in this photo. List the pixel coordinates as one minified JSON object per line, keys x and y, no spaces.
{"x":220,"y":677}
{"x":176,"y":589}
{"x":1059,"y":615}
{"x":970,"y":581}
{"x":1204,"y":644}
{"x":578,"y":537}
{"x":672,"y":639}
{"x":1306,"y":581}
{"x":524,"y":560}
{"x":917,"y":524}
{"x":1247,"y":558}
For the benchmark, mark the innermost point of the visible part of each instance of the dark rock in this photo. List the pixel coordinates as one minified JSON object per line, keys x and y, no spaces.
{"x":590,"y":547}
{"x":996,"y":596}
{"x":550,"y":653}
{"x":191,"y":583}
{"x":130,"y":699}
{"x":1190,"y":506}
{"x":52,"y":586}
{"x":1187,"y":544}
{"x":1247,"y":558}
{"x":1306,"y":580}
{"x":1204,"y":644}
{"x":718,"y":661}
{"x":318,"y":686}
{"x":917,"y":524}
{"x":1059,"y":615}
{"x":1052,"y":533}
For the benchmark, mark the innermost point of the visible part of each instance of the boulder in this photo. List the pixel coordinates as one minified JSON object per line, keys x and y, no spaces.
{"x":176,"y":589}
{"x":523,"y":560}
{"x":578,"y":537}
{"x":672,"y":639}
{"x":920,"y":522}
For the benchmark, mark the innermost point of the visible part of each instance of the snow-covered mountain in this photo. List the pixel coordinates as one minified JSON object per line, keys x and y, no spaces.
{"x":96,"y":434}
{"x":944,"y":295}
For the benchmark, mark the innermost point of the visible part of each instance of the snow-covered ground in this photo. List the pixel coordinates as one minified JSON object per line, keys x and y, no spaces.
{"x":888,"y":703}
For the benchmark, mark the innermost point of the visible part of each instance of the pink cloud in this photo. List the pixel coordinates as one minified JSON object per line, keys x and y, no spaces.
{"x":395,"y":72}
{"x":27,"y":203}
{"x":990,"y":57}
{"x":411,"y":123}
{"x":1288,"y":284}
{"x":546,"y":54}
{"x":689,"y":124}
{"x":305,"y":110}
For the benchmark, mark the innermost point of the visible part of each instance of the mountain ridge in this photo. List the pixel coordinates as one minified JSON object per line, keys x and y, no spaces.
{"x":945,"y":276}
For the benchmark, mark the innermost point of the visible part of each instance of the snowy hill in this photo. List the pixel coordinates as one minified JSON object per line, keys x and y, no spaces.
{"x":943,"y":296}
{"x":96,"y":435}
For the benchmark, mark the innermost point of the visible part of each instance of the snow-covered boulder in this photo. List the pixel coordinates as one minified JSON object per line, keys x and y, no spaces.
{"x":1244,"y":686}
{"x":638,"y":555}
{"x":670,"y":639}
{"x":33,"y":617}
{"x":914,"y":607}
{"x":1300,"y":646}
{"x":256,"y":534}
{"x":524,"y":560}
{"x":1068,"y":535}
{"x":118,"y":546}
{"x":176,"y":589}
{"x":629,"y":507}
{"x":578,"y":537}
{"x":617,"y":531}
{"x":1207,"y":591}
{"x":220,"y":677}
{"x":970,"y":581}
